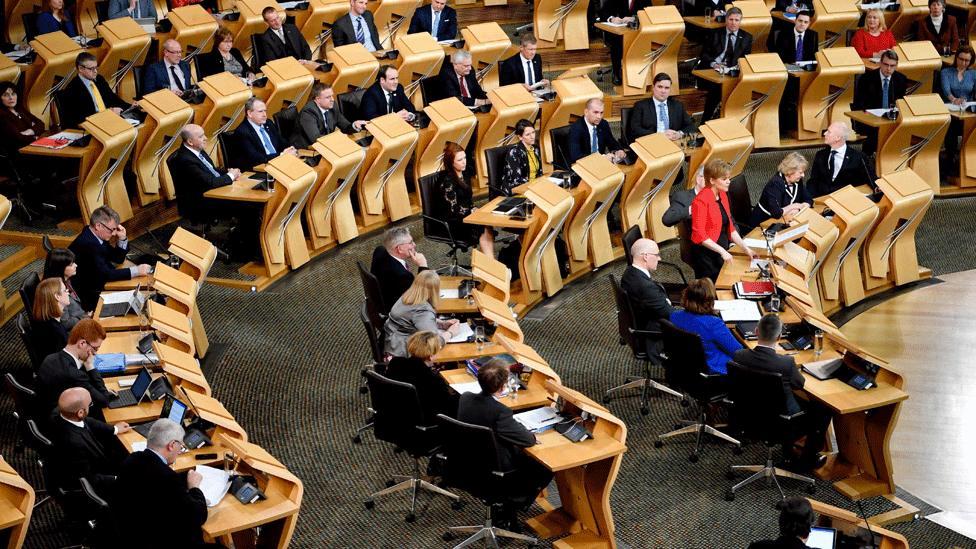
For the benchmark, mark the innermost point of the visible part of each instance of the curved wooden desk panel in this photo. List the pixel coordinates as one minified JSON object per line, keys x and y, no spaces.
{"x":828,"y":95}
{"x":725,"y":138}
{"x":509,"y":104}
{"x":18,"y":498}
{"x":9,"y":71}
{"x":854,"y":216}
{"x":851,"y":524}
{"x":903,"y":24}
{"x":114,"y":140}
{"x":820,"y":238}
{"x":315,"y":23}
{"x":193,"y":28}
{"x":832,"y":19}
{"x":289,"y":84}
{"x":499,"y":314}
{"x":923,"y":121}
{"x":538,"y":263}
{"x":651,"y":48}
{"x":587,"y":232}
{"x":329,"y":212}
{"x":50,"y":72}
{"x":392,"y":17}
{"x":420,"y":56}
{"x":125,"y":46}
{"x":166,"y":116}
{"x":450,"y":121}
{"x":755,"y":100}
{"x":223,"y":107}
{"x":889,"y":250}
{"x":647,"y":189}
{"x":382,"y":186}
{"x":495,"y":275}
{"x":14,"y":11}
{"x":250,"y":22}
{"x":353,"y":68}
{"x":487,"y":43}
{"x":572,"y":93}
{"x":554,"y":20}
{"x":197,"y":253}
{"x":967,"y":153}
{"x":281,"y":234}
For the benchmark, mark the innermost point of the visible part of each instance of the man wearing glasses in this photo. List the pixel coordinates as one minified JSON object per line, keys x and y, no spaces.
{"x":98,"y":248}
{"x":87,"y":94}
{"x":647,"y":297}
{"x":74,"y":366}
{"x":171,"y":72}
{"x":878,"y":89}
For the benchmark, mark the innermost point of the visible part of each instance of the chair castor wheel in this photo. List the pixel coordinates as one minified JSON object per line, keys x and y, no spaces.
{"x":448,"y":536}
{"x":410,"y":517}
{"x":730,"y":475}
{"x":390,"y":483}
{"x":645,"y":410}
{"x":693,"y":458}
{"x":369,"y":504}
{"x":737,"y":450}
{"x":812,"y":489}
{"x":357,"y":439}
{"x":457,"y":505}
{"x":658,"y":444}
{"x":729,"y":495}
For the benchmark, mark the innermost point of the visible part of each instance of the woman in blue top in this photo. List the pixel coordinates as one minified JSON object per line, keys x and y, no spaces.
{"x":959,"y":80}
{"x":699,"y":317}
{"x":54,"y":17}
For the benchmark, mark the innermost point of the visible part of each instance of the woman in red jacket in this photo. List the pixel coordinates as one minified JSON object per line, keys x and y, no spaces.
{"x":712,"y":228}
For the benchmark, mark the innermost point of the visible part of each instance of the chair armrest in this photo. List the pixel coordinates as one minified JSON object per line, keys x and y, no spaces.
{"x":645,"y":333}
{"x":681,"y":273}
{"x":445,"y":224}
{"x":792,"y":417}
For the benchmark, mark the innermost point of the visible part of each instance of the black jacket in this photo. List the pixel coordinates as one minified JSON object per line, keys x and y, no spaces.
{"x":643,"y":118}
{"x":512,"y":70}
{"x":311,"y":125}
{"x":48,"y":336}
{"x":271,"y":47}
{"x":516,"y":168}
{"x":343,"y":32}
{"x":58,"y":372}
{"x":422,"y":20}
{"x":647,"y":297}
{"x":856,"y":170}
{"x":436,"y":397}
{"x":867,"y":92}
{"x":191,"y":179}
{"x":451,"y":87}
{"x":774,"y":196}
{"x":212,"y":62}
{"x":91,"y":452}
{"x":764,"y":359}
{"x":482,"y":409}
{"x":786,"y":45}
{"x":621,"y":8}
{"x":373,"y":103}
{"x":77,"y":103}
{"x":96,"y":266}
{"x":579,"y":140}
{"x":678,"y":214}
{"x":393,"y":277}
{"x":250,"y":151}
{"x":715,"y":46}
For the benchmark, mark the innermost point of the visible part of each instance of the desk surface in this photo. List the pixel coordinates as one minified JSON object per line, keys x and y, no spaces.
{"x":558,"y":453}
{"x":531,"y":397}
{"x":871,"y":120}
{"x":713,"y":75}
{"x":454,"y":352}
{"x":241,"y":190}
{"x":485,"y":216}
{"x":699,"y":21}
{"x":455,"y":305}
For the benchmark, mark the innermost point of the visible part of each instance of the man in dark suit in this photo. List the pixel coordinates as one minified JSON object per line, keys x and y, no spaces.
{"x":838,"y":165}
{"x":320,"y":117}
{"x":282,"y":40}
{"x":87,"y":94}
{"x":194,"y":173}
{"x":878,"y":89}
{"x":764,"y":358}
{"x":458,"y":80}
{"x":154,"y":504}
{"x":660,"y":113}
{"x":647,"y":297}
{"x":386,"y":96}
{"x":356,"y":26}
{"x":257,"y":138}
{"x":525,"y":67}
{"x":392,"y":263}
{"x":619,"y":11}
{"x":73,"y":366}
{"x":136,"y":9}
{"x":98,"y":248}
{"x":794,"y":46}
{"x":679,"y":213}
{"x":796,"y":516}
{"x":171,"y":72}
{"x":84,"y":447}
{"x":591,"y":133}
{"x":723,"y":48}
{"x":439,"y":19}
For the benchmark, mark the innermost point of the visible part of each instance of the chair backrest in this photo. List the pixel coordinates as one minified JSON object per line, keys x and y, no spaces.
{"x":495,"y":161}
{"x":106,"y":533}
{"x":625,"y":321}
{"x":560,"y":155}
{"x":348,"y":104}
{"x":374,"y":294}
{"x":101,"y":10}
{"x":228,"y":149}
{"x":685,"y":245}
{"x":685,"y":363}
{"x":434,"y":228}
{"x":758,"y":401}
{"x":27,"y":336}
{"x":138,"y":77}
{"x":625,"y":126}
{"x":472,"y":458}
{"x":256,"y":61}
{"x":739,"y":200}
{"x":28,"y":289}
{"x":632,"y":235}
{"x":23,"y":398}
{"x":374,"y":336}
{"x":47,"y":244}
{"x":430,"y":89}
{"x":30,"y":25}
{"x":38,"y":442}
{"x":397,"y":412}
{"x":286,"y":120}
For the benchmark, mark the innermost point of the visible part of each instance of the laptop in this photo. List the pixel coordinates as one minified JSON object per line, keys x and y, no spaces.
{"x":172,"y":409}
{"x":131,"y":397}
{"x":822,"y":538}
{"x":119,"y":303}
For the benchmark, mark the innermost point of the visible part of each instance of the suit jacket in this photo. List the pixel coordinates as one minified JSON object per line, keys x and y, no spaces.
{"x":87,"y":451}
{"x":58,"y":372}
{"x":765,"y":359}
{"x":120,"y":8}
{"x":856,"y":170}
{"x":450,"y":87}
{"x":422,"y":21}
{"x":679,"y":213}
{"x":512,"y":70}
{"x":373,"y":103}
{"x":149,"y":494}
{"x":47,"y":23}
{"x":867,"y":92}
{"x":436,"y":397}
{"x":96,"y":266}
{"x":579,"y":140}
{"x":948,"y":35}
{"x":250,"y":148}
{"x":516,"y":168}
{"x":213,"y":63}
{"x":192,"y":178}
{"x":48,"y":336}
{"x":643,"y":118}
{"x":647,"y":297}
{"x":482,"y":409}
{"x":774,"y":196}
{"x":715,"y":46}
{"x":156,"y":77}
{"x":79,"y":105}
{"x":786,"y":45}
{"x":343,"y":32}
{"x":11,"y":125}
{"x":404,"y":321}
{"x":393,"y":277}
{"x":311,"y":125}
{"x":271,"y":47}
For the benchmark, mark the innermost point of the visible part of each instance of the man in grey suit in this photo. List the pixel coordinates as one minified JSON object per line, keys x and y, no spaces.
{"x":320,"y":117}
{"x":136,"y":9}
{"x":357,"y":26}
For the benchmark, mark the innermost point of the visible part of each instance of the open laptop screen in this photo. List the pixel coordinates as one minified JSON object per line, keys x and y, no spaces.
{"x":141,"y":383}
{"x":173,"y":409}
{"x":822,"y":538}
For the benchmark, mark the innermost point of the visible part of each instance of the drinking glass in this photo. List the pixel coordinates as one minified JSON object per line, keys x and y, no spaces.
{"x":479,"y":336}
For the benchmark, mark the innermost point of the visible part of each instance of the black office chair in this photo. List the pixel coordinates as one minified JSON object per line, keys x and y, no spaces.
{"x":256,"y":61}
{"x":28,"y":289}
{"x":495,"y":161}
{"x":380,"y":368}
{"x":43,"y":448}
{"x":625,"y":138}
{"x":138,"y":77}
{"x":26,"y":332}
{"x":24,"y":406}
{"x":431,"y":89}
{"x":15,"y":186}
{"x":399,"y":420}
{"x":763,"y":419}
{"x":228,"y":149}
{"x":686,"y":369}
{"x":101,"y":10}
{"x":30,"y":25}
{"x":76,"y":512}
{"x":348,"y":104}
{"x":286,"y":119}
{"x":104,"y":529}
{"x":560,"y":155}
{"x":374,"y":332}
{"x":438,"y":230}
{"x":470,"y":454}
{"x":636,"y":339}
{"x":373,"y":293}
{"x":673,"y":289}
{"x":739,"y":202}
{"x":47,"y":244}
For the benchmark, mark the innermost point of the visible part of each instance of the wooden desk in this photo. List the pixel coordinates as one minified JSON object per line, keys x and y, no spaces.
{"x":456,"y":352}
{"x":649,"y":49}
{"x":484,"y":216}
{"x":699,"y":21}
{"x":123,"y":323}
{"x":851,"y":524}
{"x":727,"y":83}
{"x":16,"y":506}
{"x":448,"y":305}
{"x":534,"y":396}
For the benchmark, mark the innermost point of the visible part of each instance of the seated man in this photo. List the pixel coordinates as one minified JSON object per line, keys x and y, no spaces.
{"x":679,"y":213}
{"x":440,"y":20}
{"x":194,"y":173}
{"x":74,"y":366}
{"x":356,"y":26}
{"x":87,"y":94}
{"x":257,"y":138}
{"x":660,"y":113}
{"x":795,"y":519}
{"x":282,"y":40}
{"x":525,"y":67}
{"x":647,"y":297}
{"x":389,"y":264}
{"x":619,"y":12}
{"x":84,"y":446}
{"x":136,"y":9}
{"x":793,"y":46}
{"x":170,"y":73}
{"x":591,"y":134}
{"x":386,"y":96}
{"x":878,"y":89}
{"x":763,"y":358}
{"x":838,"y":165}
{"x":723,"y":48}
{"x":98,"y":248}
{"x":458,"y":80}
{"x":484,"y":409}
{"x":320,"y":117}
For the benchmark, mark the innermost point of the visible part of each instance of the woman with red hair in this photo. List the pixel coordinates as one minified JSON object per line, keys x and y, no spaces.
{"x":453,"y":189}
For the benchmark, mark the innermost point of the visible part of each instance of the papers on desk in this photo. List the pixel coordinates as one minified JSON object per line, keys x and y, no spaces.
{"x":823,"y":369}
{"x":556,"y":180}
{"x":446,"y":42}
{"x":138,"y":446}
{"x":138,"y":360}
{"x":737,"y":310}
{"x":288,"y":5}
{"x":609,"y":24}
{"x":59,"y":140}
{"x":539,"y":419}
{"x":463,"y":334}
{"x":877,"y":112}
{"x":468,"y":387}
{"x":449,"y":293}
{"x":957,"y":108}
{"x":116,"y":297}
{"x":877,"y":5}
{"x":215,"y":484}
{"x":755,"y":243}
{"x":759,"y":264}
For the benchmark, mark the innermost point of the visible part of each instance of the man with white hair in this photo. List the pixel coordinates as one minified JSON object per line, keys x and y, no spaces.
{"x":459,"y":80}
{"x":838,"y":165}
{"x":393,"y":264}
{"x":170,"y":73}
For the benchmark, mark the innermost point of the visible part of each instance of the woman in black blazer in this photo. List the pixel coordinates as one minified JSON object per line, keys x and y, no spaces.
{"x":435,"y":395}
{"x":455,"y":202}
{"x":49,"y":335}
{"x":784,"y":195}
{"x":224,"y":57}
{"x":519,"y":167}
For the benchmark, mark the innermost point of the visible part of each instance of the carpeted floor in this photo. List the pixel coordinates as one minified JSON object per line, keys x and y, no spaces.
{"x":286,"y":362}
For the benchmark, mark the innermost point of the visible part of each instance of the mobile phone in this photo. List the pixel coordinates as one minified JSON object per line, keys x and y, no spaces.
{"x":202,"y":457}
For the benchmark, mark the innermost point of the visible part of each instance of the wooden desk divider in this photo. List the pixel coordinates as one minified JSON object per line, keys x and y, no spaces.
{"x":585,"y":473}
{"x":174,"y":326}
{"x":587,"y":230}
{"x":496,"y":276}
{"x":392,"y":16}
{"x":420,"y":56}
{"x":647,"y":188}
{"x":527,"y":356}
{"x":86,"y":17}
{"x":450,"y":121}
{"x":832,"y":19}
{"x":181,"y":290}
{"x":572,"y":93}
{"x":903,"y":25}
{"x":353,"y":68}
{"x":223,"y":106}
{"x":538,"y":264}
{"x":848,"y":522}
{"x":382,"y":186}
{"x":114,"y":140}
{"x":487,"y":43}
{"x":14,"y":11}
{"x":328,"y":213}
{"x":18,"y":498}
{"x":756,"y":20}
{"x":289,"y":84}
{"x":797,"y":259}
{"x":889,"y":250}
{"x":194,"y":29}
{"x":651,"y":48}
{"x":553,"y":20}
{"x":282,"y":240}
{"x":967,"y":153}
{"x":184,"y":366}
{"x":9,"y":71}
{"x":250,"y":22}
{"x":499,"y":314}
{"x":918,"y":61}
{"x":509,"y":104}
{"x":166,"y":114}
{"x":315,"y":23}
{"x":124,"y":46}
{"x":829,"y":93}
{"x":819,"y":239}
{"x":755,"y":100}
{"x":792,"y":284}
{"x":50,"y":72}
{"x":725,"y":138}
{"x":210,"y":409}
{"x":923,"y":121}
{"x":197,"y":253}
{"x":854,"y":215}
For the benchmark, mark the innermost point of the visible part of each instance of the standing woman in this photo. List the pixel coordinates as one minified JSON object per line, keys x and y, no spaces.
{"x":453,"y":189}
{"x":60,"y":263}
{"x":523,"y":161}
{"x":712,"y":229}
{"x":54,"y":17}
{"x":49,"y":335}
{"x":875,"y":37}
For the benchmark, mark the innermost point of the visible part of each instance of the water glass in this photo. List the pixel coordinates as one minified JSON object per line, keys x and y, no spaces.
{"x":479,"y":337}
{"x":818,"y":340}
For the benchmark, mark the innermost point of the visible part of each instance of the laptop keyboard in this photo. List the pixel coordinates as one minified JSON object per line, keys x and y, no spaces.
{"x":126,"y":398}
{"x":114,"y":309}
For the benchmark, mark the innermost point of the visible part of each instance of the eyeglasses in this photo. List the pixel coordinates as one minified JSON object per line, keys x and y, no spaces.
{"x":110,"y":229}
{"x":183,"y":448}
{"x":89,"y":67}
{"x":94,"y":348}
{"x":657,"y":255}
{"x":174,"y":51}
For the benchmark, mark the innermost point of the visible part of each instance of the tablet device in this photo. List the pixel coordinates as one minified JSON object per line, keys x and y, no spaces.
{"x":822,"y":538}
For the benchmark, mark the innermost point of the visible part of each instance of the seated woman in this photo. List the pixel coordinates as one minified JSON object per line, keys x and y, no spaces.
{"x":712,"y":229}
{"x":454,"y":203}
{"x":875,"y":37}
{"x":939,"y":28}
{"x":224,"y":57}
{"x":49,"y":335}
{"x":784,"y":195}
{"x":699,"y":317}
{"x":415,"y":312}
{"x":523,"y":161}
{"x":54,"y":17}
{"x":60,"y":263}
{"x":436,"y":396}
{"x":17,"y":125}
{"x":959,"y":80}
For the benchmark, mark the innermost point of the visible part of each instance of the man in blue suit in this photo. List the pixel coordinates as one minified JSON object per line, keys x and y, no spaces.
{"x":257,"y":138}
{"x":591,"y":134}
{"x":170,"y":73}
{"x":439,"y":19}
{"x":136,"y":9}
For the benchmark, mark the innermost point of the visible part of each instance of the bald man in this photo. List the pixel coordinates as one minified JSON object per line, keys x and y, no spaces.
{"x":838,"y":165}
{"x":194,"y":173}
{"x":171,"y":72}
{"x":591,"y":134}
{"x":647,"y":297}
{"x":84,"y":446}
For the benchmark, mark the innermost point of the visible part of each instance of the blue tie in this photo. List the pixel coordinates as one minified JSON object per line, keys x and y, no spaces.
{"x":884,"y":93}
{"x":594,"y":144}
{"x":360,"y":35}
{"x":268,"y":147}
{"x":433,"y":26}
{"x":530,"y":72}
{"x":799,"y":48}
{"x":662,"y":116}
{"x":206,"y":162}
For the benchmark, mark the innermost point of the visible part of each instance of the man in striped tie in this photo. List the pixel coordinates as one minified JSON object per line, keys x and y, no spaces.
{"x":193,"y":172}
{"x":357,"y":26}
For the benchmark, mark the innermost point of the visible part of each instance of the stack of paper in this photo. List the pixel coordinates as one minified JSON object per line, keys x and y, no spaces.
{"x":539,"y":419}
{"x":215,"y":484}
{"x":469,"y":387}
{"x":735,"y":310}
{"x":463,"y":334}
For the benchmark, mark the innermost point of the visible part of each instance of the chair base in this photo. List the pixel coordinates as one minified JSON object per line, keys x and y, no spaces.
{"x":414,"y":483}
{"x":454,"y":269}
{"x":486,"y":532}
{"x":768,"y":472}
{"x":645,"y":384}
{"x":699,"y":428}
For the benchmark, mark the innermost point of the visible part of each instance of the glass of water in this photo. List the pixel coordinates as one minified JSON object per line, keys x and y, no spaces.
{"x":513,"y":385}
{"x":479,"y":336}
{"x":818,"y":338}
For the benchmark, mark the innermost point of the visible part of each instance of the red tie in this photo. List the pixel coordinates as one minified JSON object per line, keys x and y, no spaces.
{"x":464,"y":87}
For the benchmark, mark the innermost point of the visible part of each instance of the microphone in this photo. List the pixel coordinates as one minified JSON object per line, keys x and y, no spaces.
{"x":867,"y":174}
{"x":867,"y":523}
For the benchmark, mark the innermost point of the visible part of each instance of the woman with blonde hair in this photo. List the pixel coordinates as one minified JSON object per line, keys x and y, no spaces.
{"x":699,"y":317}
{"x":48,"y":334}
{"x":784,"y":195}
{"x":418,"y":370}
{"x":875,"y":37}
{"x":712,"y":228}
{"x":415,"y":311}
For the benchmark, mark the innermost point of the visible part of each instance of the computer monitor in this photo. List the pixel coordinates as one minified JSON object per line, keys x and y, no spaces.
{"x":173,"y":409}
{"x":141,"y":384}
{"x":822,"y":538}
